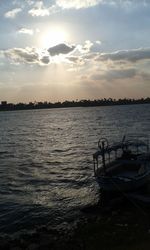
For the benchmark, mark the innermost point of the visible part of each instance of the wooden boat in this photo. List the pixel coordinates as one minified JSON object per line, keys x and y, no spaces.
{"x":122,"y":166}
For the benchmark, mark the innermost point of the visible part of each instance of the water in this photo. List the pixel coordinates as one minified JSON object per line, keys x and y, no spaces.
{"x":46,"y":165}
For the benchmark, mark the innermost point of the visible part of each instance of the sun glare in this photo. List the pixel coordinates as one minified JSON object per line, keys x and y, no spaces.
{"x":53,"y":36}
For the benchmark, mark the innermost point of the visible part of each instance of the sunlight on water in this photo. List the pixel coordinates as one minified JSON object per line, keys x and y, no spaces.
{"x":46,"y":160}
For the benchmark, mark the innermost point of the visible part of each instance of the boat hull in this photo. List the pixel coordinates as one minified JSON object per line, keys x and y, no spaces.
{"x":116,"y":183}
{"x":122,"y":166}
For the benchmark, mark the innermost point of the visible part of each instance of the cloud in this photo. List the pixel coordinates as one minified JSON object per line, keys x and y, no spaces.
{"x":61,"y":48}
{"x":77,"y":60}
{"x":39,"y":10}
{"x":27,"y":55}
{"x":25,"y":31}
{"x":12,"y":13}
{"x":133,"y":55}
{"x":45,"y":59}
{"x":36,"y":56}
{"x":114,"y":65}
{"x":29,"y":2}
{"x":98,"y":42}
{"x":86,"y":47}
{"x":73,"y":59}
{"x":115,"y":74}
{"x":92,"y":56}
{"x":77,"y":4}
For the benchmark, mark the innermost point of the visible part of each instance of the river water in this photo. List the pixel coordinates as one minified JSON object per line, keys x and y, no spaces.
{"x":46,"y":170}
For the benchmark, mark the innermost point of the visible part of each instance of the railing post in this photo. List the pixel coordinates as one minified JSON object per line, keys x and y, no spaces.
{"x":103,"y":156}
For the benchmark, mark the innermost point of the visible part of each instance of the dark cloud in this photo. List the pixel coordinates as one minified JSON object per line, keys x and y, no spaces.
{"x":75,"y":59}
{"x":126,"y":55}
{"x":61,"y":48}
{"x":91,"y":56}
{"x":115,"y":74}
{"x":27,"y":55}
{"x":45,"y":59}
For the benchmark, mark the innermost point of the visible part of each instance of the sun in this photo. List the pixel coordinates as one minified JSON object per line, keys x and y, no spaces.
{"x":53,"y":36}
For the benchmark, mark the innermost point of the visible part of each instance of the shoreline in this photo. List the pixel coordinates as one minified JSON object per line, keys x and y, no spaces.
{"x":18,"y":107}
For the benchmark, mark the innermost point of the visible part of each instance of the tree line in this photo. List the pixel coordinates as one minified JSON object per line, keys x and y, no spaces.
{"x":4,"y":106}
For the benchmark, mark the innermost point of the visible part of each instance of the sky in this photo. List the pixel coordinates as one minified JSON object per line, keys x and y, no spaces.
{"x":57,"y":50}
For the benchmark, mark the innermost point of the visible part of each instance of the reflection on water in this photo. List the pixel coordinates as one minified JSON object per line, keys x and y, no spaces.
{"x":46,"y":160}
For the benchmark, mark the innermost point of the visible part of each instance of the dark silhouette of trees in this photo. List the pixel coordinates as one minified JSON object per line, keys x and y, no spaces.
{"x":4,"y":106}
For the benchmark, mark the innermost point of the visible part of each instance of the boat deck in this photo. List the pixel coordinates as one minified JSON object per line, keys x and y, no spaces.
{"x":122,"y":168}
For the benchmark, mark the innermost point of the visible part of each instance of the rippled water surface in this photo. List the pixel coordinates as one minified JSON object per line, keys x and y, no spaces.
{"x":46,"y":171}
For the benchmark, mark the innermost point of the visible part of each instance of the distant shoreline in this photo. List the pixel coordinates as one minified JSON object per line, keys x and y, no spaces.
{"x":4,"y":106}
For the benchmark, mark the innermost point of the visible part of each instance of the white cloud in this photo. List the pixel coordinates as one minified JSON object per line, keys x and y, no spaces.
{"x":98,"y":42}
{"x":30,"y":2}
{"x":12,"y":13}
{"x":77,"y":4}
{"x":39,"y":10}
{"x":26,"y":31}
{"x":85,"y":48}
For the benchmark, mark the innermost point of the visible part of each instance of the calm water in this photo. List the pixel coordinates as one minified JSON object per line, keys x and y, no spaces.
{"x":46,"y":171}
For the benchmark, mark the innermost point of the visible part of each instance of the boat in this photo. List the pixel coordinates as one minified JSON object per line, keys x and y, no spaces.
{"x":122,"y":166}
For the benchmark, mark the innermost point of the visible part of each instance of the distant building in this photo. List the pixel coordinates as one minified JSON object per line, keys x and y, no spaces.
{"x":3,"y":103}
